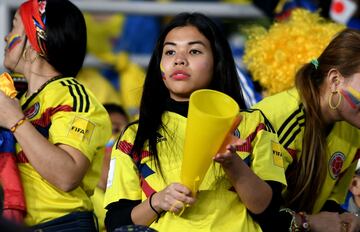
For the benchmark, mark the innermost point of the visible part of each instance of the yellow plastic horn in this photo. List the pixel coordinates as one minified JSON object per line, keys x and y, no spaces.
{"x":7,"y":85}
{"x":211,"y":116}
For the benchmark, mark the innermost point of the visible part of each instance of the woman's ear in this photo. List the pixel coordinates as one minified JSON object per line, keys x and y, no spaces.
{"x":334,"y":79}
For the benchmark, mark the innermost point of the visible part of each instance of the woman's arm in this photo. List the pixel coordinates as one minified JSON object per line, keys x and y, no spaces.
{"x":119,"y":214}
{"x":62,"y":165}
{"x":272,"y":219}
{"x":255,"y":193}
{"x":269,"y":220}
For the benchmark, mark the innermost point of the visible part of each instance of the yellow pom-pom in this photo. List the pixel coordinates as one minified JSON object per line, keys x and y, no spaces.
{"x":273,"y":56}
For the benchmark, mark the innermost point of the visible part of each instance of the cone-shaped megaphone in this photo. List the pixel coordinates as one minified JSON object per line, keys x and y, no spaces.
{"x":211,"y":116}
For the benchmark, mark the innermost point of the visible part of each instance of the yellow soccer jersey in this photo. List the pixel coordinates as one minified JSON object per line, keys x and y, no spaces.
{"x":286,"y":114}
{"x":64,"y":112}
{"x":98,"y":201}
{"x":218,"y":207}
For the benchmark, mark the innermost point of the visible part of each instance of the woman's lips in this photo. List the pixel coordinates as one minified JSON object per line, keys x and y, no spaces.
{"x":179,"y":75}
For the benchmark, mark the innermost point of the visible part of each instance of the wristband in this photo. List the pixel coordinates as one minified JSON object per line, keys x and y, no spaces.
{"x":304,"y":222}
{"x":293,"y":227}
{"x":19,"y":123}
{"x":152,"y":207}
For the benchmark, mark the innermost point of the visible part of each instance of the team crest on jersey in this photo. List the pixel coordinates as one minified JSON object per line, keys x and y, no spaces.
{"x":335,"y":164}
{"x":81,"y":129}
{"x":33,"y":110}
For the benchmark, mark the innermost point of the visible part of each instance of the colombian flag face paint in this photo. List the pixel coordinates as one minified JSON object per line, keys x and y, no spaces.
{"x":352,"y":96}
{"x":13,"y":41}
{"x":162,"y":72}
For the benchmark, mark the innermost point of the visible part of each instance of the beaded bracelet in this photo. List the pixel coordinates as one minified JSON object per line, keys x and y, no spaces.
{"x":292,"y":222}
{"x":304,"y":222}
{"x":19,"y":123}
{"x":293,"y":226}
{"x":152,"y":207}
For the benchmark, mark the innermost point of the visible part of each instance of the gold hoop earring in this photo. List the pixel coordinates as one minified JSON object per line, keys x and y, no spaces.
{"x":334,"y":107}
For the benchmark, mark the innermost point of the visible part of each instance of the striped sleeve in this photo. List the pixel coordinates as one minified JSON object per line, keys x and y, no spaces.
{"x":262,"y":149}
{"x":80,"y":97}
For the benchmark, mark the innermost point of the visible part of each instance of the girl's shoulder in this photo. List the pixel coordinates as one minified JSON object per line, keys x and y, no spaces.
{"x":344,"y":132}
{"x":130,"y":130}
{"x":280,"y":103}
{"x":254,"y":120}
{"x":281,"y":107}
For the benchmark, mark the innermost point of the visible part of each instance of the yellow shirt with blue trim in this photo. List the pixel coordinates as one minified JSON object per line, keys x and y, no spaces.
{"x":64,"y":112}
{"x":286,"y":114}
{"x":218,"y":206}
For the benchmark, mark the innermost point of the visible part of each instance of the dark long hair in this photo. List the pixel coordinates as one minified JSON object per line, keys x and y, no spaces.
{"x":66,"y":36}
{"x":343,"y":54}
{"x":155,"y":93}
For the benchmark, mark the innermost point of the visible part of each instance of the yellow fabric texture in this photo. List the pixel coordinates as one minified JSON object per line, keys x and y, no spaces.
{"x":218,"y":208}
{"x":94,"y":81}
{"x":273,"y":56}
{"x":7,"y":85}
{"x":343,"y":143}
{"x":65,"y":113}
{"x":98,"y":201}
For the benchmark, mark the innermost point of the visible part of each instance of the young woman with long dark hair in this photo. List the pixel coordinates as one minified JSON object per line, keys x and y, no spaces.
{"x":143,"y":183}
{"x":59,"y":126}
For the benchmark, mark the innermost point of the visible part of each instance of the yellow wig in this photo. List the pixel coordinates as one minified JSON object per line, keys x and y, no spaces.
{"x":273,"y":56}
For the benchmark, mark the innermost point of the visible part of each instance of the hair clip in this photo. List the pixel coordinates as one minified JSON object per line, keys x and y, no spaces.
{"x":315,"y":62}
